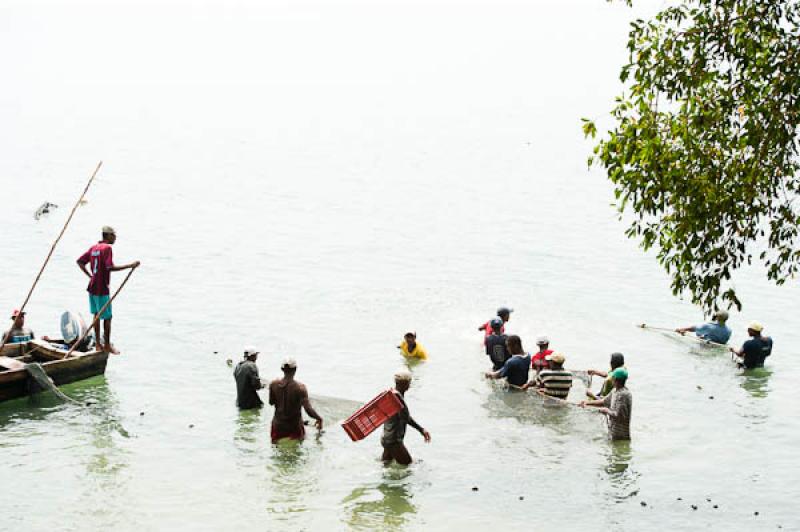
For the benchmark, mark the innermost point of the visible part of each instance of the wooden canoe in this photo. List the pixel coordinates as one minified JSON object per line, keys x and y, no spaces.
{"x":15,"y":381}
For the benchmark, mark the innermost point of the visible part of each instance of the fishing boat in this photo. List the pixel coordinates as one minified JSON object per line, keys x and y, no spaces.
{"x":16,"y":381}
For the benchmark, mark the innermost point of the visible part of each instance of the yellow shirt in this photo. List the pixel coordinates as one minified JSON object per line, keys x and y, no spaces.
{"x":418,"y":352}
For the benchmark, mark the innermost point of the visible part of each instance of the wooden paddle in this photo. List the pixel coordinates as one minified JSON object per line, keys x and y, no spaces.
{"x":52,"y":248}
{"x":97,"y":316}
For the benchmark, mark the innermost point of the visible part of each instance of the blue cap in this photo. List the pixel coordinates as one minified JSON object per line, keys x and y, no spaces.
{"x":496,"y":324}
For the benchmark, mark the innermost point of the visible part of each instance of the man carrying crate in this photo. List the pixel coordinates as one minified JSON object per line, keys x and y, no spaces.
{"x":394,"y":430}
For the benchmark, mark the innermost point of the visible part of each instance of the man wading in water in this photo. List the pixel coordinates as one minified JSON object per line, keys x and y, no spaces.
{"x":288,"y":396}
{"x":394,"y":430}
{"x":100,"y":259}
{"x":715,"y":331}
{"x":755,"y":350}
{"x":515,"y":370}
{"x":617,"y":406}
{"x":247,"y":381}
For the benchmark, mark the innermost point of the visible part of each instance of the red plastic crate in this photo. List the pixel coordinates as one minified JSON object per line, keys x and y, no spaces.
{"x":372,"y":415}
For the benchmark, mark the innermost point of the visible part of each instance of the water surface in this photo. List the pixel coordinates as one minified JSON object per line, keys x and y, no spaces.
{"x":317,"y":179}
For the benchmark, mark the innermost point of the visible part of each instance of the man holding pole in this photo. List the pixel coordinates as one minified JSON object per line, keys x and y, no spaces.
{"x":100,"y":259}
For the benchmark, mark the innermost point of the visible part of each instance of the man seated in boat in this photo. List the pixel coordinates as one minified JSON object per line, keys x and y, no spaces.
{"x":555,"y":381}
{"x":410,"y":348}
{"x":715,"y":331}
{"x":515,"y":370}
{"x":18,"y":333}
{"x":755,"y":350}
{"x":617,"y":361}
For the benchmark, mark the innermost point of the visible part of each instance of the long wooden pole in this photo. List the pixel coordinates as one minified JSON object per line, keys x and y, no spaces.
{"x":97,"y":316}
{"x":52,"y":249}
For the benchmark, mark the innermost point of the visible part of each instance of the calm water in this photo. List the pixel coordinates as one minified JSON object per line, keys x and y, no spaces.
{"x":317,"y":179}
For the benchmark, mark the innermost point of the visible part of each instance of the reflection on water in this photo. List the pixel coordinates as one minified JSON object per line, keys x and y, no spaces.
{"x":756,"y":381}
{"x":292,"y":479}
{"x":622,"y":478}
{"x":248,"y":428}
{"x":386,"y":505}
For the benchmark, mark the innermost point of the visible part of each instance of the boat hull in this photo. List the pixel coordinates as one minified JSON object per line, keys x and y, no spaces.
{"x":15,"y":383}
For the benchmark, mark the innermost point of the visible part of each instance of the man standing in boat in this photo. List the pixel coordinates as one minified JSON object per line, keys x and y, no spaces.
{"x":715,"y":331}
{"x":247,"y":381}
{"x":100,"y":259}
{"x":288,"y":396}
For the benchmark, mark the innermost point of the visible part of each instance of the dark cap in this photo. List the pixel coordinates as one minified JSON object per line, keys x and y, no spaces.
{"x":504,"y":311}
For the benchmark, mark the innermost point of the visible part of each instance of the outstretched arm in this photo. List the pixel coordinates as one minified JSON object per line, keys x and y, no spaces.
{"x":684,"y":330}
{"x":134,"y":264}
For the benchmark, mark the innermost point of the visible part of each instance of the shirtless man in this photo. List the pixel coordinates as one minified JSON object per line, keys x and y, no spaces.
{"x":288,"y":396}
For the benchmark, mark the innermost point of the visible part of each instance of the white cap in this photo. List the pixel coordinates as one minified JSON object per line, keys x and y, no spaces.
{"x":542,"y":340}
{"x":755,"y":326}
{"x":250,"y":350}
{"x":289,"y":362}
{"x":403,"y":375}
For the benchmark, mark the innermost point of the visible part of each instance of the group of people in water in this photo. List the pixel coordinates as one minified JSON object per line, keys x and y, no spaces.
{"x":753,"y":352}
{"x":289,"y":397}
{"x":544,"y":372}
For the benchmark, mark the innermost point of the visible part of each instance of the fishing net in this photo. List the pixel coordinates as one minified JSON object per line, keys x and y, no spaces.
{"x":44,"y":382}
{"x":334,"y":409}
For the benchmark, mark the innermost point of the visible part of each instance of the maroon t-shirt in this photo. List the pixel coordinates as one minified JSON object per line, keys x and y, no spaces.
{"x":99,"y":258}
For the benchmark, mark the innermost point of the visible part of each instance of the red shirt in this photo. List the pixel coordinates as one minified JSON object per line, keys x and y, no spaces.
{"x":538,"y":359}
{"x":99,"y":258}
{"x":487,"y":330}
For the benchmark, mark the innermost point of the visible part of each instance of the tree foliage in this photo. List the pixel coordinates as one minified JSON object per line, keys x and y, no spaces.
{"x":704,"y":148}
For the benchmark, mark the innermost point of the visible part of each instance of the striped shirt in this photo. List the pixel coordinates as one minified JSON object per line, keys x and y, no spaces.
{"x":555,"y":382}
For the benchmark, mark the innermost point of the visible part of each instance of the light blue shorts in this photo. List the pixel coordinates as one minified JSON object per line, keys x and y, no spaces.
{"x":96,"y":305}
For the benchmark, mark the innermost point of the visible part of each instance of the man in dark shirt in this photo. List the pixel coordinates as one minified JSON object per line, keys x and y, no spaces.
{"x":288,"y":396}
{"x":496,"y":344}
{"x":248,"y":381}
{"x":515,"y":370}
{"x":755,"y":350}
{"x":504,"y":313}
{"x":394,"y":429}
